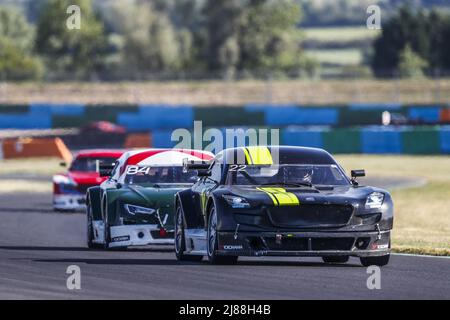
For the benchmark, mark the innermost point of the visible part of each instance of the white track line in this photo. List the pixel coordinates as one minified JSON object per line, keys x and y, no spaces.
{"x":419,"y":255}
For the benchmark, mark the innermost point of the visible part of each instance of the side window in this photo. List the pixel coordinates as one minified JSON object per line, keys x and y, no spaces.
{"x":114,"y":173}
{"x":216,"y":171}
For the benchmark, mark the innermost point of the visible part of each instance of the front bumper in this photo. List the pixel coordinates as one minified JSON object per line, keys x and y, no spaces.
{"x":69,"y":202}
{"x":360,"y":244}
{"x":138,"y":235}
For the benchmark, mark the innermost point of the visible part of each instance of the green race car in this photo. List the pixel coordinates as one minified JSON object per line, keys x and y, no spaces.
{"x":135,"y":205}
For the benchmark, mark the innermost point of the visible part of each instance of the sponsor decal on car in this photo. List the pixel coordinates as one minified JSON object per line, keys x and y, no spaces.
{"x":121,"y":238}
{"x":232,"y":247}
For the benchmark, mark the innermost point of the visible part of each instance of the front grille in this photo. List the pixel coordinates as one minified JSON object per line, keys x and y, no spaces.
{"x":294,"y":244}
{"x":311,"y":215}
{"x":320,"y":244}
{"x":302,"y":244}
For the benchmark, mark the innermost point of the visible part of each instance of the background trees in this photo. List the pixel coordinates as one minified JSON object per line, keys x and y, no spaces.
{"x":413,"y":39}
{"x":138,"y":39}
{"x":16,"y":42}
{"x":72,"y":53}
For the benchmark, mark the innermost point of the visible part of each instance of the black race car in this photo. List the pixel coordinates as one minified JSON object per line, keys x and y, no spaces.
{"x":281,"y":201}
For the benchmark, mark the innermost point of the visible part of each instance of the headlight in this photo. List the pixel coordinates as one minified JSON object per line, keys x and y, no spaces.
{"x":236,"y":202}
{"x":374,"y":200}
{"x":132,"y":209}
{"x":60,"y":179}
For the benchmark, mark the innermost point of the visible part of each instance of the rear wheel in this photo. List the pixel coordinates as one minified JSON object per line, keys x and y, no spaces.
{"x":213,"y":240}
{"x":335,"y":259}
{"x":375,"y":261}
{"x":180,"y":240}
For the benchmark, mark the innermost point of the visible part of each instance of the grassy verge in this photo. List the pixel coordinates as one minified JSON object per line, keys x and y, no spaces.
{"x":36,"y":167}
{"x":422,"y":215}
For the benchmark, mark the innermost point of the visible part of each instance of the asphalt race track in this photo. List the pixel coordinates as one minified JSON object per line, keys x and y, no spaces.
{"x":37,"y":245}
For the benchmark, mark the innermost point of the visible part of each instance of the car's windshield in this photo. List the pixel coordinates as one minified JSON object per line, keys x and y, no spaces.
{"x":148,"y":175}
{"x":88,"y":164}
{"x":286,"y":174}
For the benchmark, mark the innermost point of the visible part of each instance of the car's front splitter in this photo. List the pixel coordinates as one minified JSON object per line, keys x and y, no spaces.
{"x":137,"y":235}
{"x":360,"y":244}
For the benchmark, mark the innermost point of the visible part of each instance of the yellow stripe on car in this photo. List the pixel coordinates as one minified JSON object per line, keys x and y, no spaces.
{"x":258,"y":155}
{"x":281,"y":197}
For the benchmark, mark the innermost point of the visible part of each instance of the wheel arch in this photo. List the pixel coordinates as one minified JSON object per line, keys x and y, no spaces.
{"x":192,"y":216}
{"x":93,"y":198}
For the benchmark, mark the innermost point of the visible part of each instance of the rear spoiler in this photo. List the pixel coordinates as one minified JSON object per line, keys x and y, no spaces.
{"x":189,"y":165}
{"x":104,"y":169}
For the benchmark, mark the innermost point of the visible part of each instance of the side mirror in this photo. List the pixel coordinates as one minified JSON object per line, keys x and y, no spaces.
{"x":104,"y":169}
{"x":195,"y":165}
{"x":357,"y":173}
{"x":63,"y":164}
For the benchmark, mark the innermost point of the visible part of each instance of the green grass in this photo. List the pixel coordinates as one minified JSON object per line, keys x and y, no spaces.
{"x":422,"y":215}
{"x":339,"y":34}
{"x":30,"y":166}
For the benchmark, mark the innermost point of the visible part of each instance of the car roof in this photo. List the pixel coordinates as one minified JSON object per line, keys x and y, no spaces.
{"x":165,"y":157}
{"x":265,"y":155}
{"x":93,"y":153}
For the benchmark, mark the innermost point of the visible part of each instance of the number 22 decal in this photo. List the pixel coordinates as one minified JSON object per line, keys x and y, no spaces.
{"x":237,"y":167}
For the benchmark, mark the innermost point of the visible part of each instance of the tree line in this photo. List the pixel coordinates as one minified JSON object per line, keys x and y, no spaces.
{"x":135,"y":38}
{"x":413,"y":43}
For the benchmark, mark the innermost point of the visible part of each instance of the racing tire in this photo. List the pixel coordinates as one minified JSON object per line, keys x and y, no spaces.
{"x":90,"y":228}
{"x":375,"y":261}
{"x":335,"y":259}
{"x":180,"y":240}
{"x":213,"y":241}
{"x":106,"y":229}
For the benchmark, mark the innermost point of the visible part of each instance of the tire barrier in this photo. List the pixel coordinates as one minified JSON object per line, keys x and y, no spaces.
{"x":353,"y":128}
{"x":368,"y":140}
{"x":162,"y":117}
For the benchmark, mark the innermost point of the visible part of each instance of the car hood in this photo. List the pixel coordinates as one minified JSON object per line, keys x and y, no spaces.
{"x":320,"y":195}
{"x":152,"y":197}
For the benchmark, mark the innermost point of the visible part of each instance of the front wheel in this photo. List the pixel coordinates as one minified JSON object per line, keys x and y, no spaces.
{"x":375,"y":261}
{"x":213,"y":240}
{"x":90,"y":228}
{"x":106,"y":230}
{"x":180,"y":242}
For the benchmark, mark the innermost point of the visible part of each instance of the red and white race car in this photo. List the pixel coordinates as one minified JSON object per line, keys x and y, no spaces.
{"x":69,"y":188}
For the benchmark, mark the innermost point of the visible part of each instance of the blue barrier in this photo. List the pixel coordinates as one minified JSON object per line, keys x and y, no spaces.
{"x":301,"y":116}
{"x":374,"y":106}
{"x":27,"y":121}
{"x":426,"y":114}
{"x":157,"y":117}
{"x":303,"y":137}
{"x":444,"y":136}
{"x":161,"y":139}
{"x":57,"y":109}
{"x":381,"y":140}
